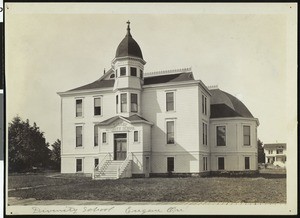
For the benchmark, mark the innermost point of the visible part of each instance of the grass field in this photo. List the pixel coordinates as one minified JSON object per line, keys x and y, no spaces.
{"x":262,"y":189}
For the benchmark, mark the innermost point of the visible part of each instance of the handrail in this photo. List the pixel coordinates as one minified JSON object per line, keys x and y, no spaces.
{"x":101,"y":165}
{"x":124,"y":165}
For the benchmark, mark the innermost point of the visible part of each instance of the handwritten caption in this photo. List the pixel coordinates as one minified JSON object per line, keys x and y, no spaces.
{"x":138,"y":210}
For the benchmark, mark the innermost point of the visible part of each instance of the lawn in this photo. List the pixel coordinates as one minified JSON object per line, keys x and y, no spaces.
{"x":194,"y":189}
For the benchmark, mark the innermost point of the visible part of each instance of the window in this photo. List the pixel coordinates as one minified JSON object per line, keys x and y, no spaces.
{"x":124,"y":102}
{"x":221,"y":163}
{"x":170,"y":101}
{"x":78,"y":107}
{"x":204,"y":105}
{"x":96,"y":162}
{"x":78,"y":165}
{"x":133,"y":71}
{"x":247,"y":163}
{"x":170,"y":132}
{"x":270,"y":151}
{"x":134,"y":102}
{"x":112,"y":76}
{"x":104,"y":137}
{"x":204,"y":163}
{"x":136,"y":136}
{"x":221,"y":136}
{"x":95,"y":135}
{"x":97,"y":106}
{"x":246,"y":130}
{"x":204,"y":133}
{"x":123,"y":71}
{"x":279,"y":151}
{"x":141,"y":74}
{"x":170,"y":164}
{"x":78,"y":136}
{"x":117,"y":103}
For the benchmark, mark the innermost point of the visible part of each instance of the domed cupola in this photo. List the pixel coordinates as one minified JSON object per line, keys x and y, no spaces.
{"x":128,"y":46}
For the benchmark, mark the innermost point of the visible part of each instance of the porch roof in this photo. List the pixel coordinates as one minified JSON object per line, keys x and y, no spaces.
{"x":132,"y":119}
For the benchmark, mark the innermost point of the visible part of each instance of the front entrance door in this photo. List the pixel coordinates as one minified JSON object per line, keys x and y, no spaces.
{"x":120,"y":149}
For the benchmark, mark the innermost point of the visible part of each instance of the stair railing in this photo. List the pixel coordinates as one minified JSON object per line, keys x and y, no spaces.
{"x":124,"y":165}
{"x":102,"y":165}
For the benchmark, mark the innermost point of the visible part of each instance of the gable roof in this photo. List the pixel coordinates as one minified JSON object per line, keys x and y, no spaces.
{"x":224,"y":104}
{"x":132,"y":119}
{"x":102,"y":83}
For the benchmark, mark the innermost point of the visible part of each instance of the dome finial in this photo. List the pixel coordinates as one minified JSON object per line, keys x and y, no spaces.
{"x":128,"y":28}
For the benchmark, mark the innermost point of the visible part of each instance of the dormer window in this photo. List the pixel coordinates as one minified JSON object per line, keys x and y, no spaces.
{"x":133,"y":71}
{"x":112,"y":76}
{"x":123,"y":71}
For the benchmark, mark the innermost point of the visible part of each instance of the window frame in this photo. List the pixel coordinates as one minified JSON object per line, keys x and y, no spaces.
{"x":245,"y":166}
{"x":122,"y":68}
{"x":170,"y":157}
{"x":131,"y":68}
{"x":205,"y":163}
{"x":96,"y":136}
{"x":126,"y":97}
{"x":166,"y":102}
{"x":76,"y":165}
{"x":102,"y":137}
{"x":77,"y":126}
{"x":96,"y":158}
{"x":249,"y":136}
{"x":136,"y":140}
{"x":174,"y":132}
{"x":204,"y":104}
{"x":117,"y":104}
{"x":137,"y":102}
{"x":204,"y":133}
{"x":101,"y":108}
{"x":78,"y":99}
{"x":217,"y":135}
{"x":219,"y":163}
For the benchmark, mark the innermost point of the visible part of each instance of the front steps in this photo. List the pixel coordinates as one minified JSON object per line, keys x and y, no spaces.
{"x":110,"y":171}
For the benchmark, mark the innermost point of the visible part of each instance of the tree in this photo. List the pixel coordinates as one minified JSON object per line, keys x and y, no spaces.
{"x":55,"y":154}
{"x":27,"y":146}
{"x":260,"y":152}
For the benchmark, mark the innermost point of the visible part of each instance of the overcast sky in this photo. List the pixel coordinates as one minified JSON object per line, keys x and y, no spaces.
{"x":243,"y":50}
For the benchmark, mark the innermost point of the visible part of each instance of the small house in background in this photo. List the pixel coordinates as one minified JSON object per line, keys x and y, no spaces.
{"x":275,"y":154}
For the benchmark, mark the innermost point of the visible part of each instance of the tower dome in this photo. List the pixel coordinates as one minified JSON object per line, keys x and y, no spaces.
{"x":128,"y":46}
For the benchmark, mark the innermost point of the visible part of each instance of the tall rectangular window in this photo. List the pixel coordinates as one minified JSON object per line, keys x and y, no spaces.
{"x":247,"y":163}
{"x":204,"y":133}
{"x":141,"y":74}
{"x":78,"y":165}
{"x":97,"y":106}
{"x":170,"y":101}
{"x":246,"y":130}
{"x":124,"y":102}
{"x":221,"y":163}
{"x":204,"y":163}
{"x":204,"y":105}
{"x":133,"y":71}
{"x":95,"y":135}
{"x":134,"y":102}
{"x":78,"y":136}
{"x":96,"y":162}
{"x":170,"y":132}
{"x":221,"y":136}
{"x":123,"y":71}
{"x":170,"y":164}
{"x":104,"y":137}
{"x":117,"y":104}
{"x":136,"y":136}
{"x":78,"y":107}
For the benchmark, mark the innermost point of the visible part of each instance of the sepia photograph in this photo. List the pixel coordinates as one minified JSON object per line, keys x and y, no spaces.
{"x":153,"y":108}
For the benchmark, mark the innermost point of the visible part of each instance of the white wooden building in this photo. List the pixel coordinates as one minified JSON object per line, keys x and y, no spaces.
{"x":129,"y":123}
